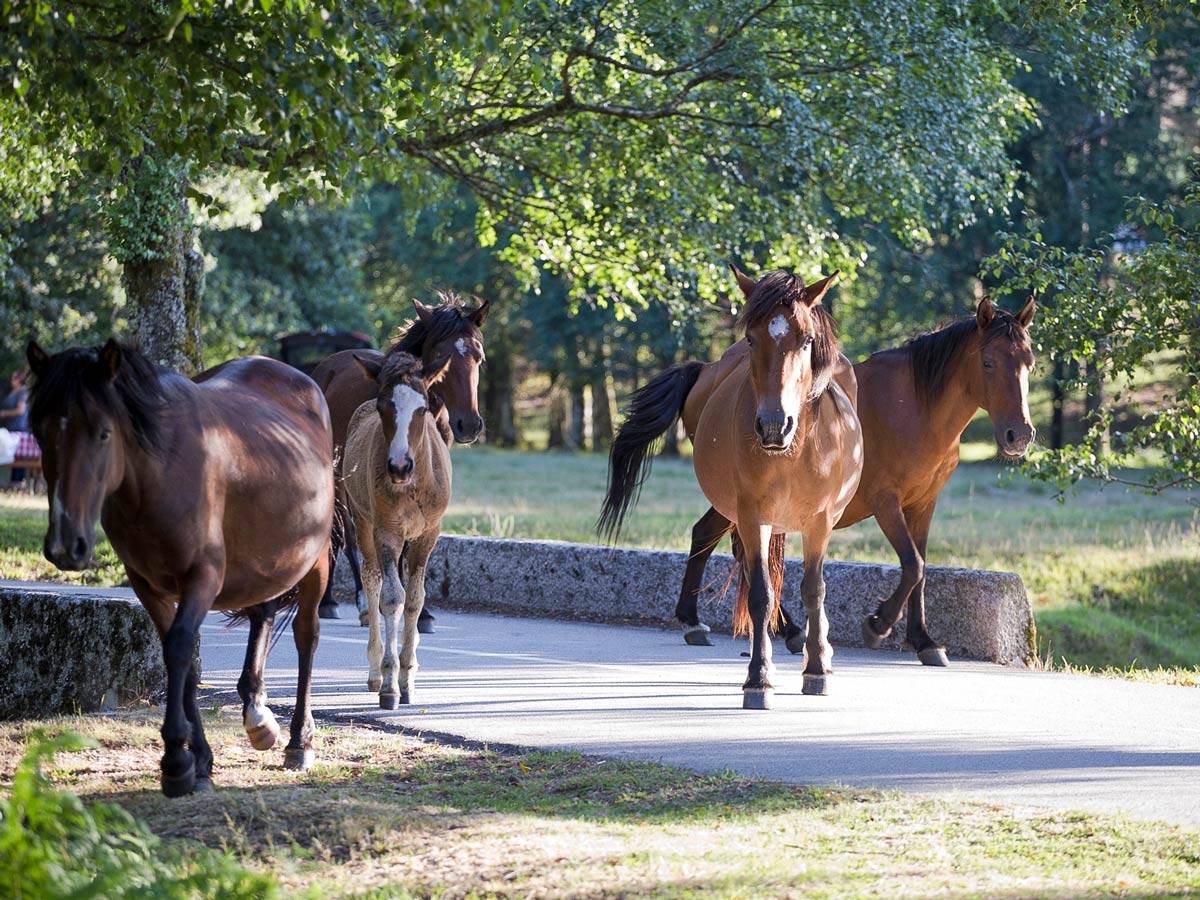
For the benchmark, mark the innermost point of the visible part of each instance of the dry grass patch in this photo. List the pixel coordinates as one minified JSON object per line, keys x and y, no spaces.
{"x":385,"y":815}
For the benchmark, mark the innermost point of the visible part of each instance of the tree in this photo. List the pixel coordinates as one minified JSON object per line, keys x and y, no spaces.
{"x":628,"y":142}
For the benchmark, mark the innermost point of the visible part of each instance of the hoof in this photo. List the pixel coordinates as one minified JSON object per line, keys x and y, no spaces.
{"x":299,"y":758}
{"x":374,"y":684}
{"x":388,"y":701}
{"x":182,"y":784}
{"x":696,"y":635}
{"x":795,"y":644}
{"x":264,"y":735}
{"x":329,"y":611}
{"x":364,"y":620}
{"x":425,"y":624}
{"x":757,"y":698}
{"x":933,"y":656}
{"x":204,"y":785}
{"x":871,"y":638}
{"x":815,"y":685}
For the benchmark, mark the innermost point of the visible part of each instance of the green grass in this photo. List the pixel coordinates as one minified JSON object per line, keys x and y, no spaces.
{"x":1113,"y":574}
{"x":385,"y":815}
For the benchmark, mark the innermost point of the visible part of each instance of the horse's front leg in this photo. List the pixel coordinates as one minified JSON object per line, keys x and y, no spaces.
{"x":372,"y":584}
{"x":391,"y":601}
{"x":183,"y":767}
{"x":818,"y":652}
{"x":257,"y":718}
{"x":892,"y":522}
{"x":706,"y":534}
{"x":416,"y":559}
{"x":306,"y":630}
{"x":929,"y":651}
{"x":758,"y":691}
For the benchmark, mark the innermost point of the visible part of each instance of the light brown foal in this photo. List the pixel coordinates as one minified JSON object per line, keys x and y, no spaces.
{"x":396,"y":473}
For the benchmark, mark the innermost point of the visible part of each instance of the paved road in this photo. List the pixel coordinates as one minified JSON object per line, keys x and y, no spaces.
{"x":974,"y":731}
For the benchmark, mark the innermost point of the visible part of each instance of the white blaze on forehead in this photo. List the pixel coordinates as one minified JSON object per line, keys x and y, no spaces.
{"x":778,"y":327}
{"x":406,"y":402}
{"x":461,"y":346}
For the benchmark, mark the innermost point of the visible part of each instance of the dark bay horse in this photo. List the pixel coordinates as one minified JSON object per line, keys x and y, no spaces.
{"x":914,"y":402}
{"x":215,"y":494}
{"x":449,"y":330}
{"x":778,"y":448}
{"x":396,"y":475}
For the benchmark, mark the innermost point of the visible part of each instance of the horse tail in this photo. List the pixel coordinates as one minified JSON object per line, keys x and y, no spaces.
{"x":652,"y":409}
{"x":741,"y":602}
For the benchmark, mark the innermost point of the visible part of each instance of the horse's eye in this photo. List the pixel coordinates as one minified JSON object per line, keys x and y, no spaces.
{"x":105,"y":434}
{"x":808,"y":342}
{"x":749,"y":341}
{"x":987,"y":364}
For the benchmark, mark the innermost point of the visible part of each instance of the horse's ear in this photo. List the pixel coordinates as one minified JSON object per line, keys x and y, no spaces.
{"x":480,"y":313}
{"x":38,"y":358}
{"x":812,"y":294}
{"x":424,"y":313}
{"x":109,"y":359}
{"x":434,"y":371}
{"x":745,"y":282}
{"x":1025,"y":316}
{"x":984,"y":313}
{"x":371,"y":367}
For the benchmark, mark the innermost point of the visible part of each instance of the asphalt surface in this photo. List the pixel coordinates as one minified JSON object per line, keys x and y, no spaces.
{"x":975,"y":730}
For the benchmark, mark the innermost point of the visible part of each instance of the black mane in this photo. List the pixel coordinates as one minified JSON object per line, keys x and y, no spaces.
{"x":450,"y":319}
{"x":779,"y":288}
{"x":135,"y":396}
{"x":935,"y":355}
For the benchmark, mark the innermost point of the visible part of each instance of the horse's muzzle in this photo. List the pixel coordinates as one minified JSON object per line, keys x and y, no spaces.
{"x":401,"y":474}
{"x":1014,"y":441}
{"x":467,"y":428}
{"x":71,"y":555}
{"x":775,"y":432}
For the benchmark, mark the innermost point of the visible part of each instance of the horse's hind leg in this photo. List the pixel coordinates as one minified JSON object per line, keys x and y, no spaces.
{"x":306,"y":629}
{"x":391,"y":600}
{"x":793,"y":636}
{"x":818,"y":652}
{"x":895,"y":528}
{"x":198,"y":742}
{"x":355,"y":558}
{"x":706,"y":534}
{"x":928,"y":651}
{"x":257,"y":718}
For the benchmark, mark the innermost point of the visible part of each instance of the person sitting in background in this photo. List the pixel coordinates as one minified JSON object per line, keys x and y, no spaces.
{"x":14,"y":414}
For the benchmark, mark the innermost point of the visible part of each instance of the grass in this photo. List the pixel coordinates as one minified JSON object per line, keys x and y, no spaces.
{"x":1113,"y":574}
{"x":385,"y":815}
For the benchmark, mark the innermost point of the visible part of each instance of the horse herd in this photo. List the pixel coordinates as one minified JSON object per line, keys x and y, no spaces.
{"x":220,"y":492}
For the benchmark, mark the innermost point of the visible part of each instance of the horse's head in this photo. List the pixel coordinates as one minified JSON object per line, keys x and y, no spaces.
{"x":793,"y":349}
{"x":1005,"y":360}
{"x":403,"y":402}
{"x":452,"y":331}
{"x":87,"y":405}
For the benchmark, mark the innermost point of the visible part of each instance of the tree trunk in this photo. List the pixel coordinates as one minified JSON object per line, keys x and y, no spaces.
{"x":499,"y":407}
{"x":577,"y":436}
{"x":1057,"y":399}
{"x":558,"y":416}
{"x":671,"y":440}
{"x":164,"y":287}
{"x":604,"y":409}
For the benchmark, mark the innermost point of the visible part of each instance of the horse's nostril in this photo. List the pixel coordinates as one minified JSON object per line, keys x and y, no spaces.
{"x":1010,"y":436}
{"x":80,"y":548}
{"x":788,"y":425}
{"x":758,"y":427}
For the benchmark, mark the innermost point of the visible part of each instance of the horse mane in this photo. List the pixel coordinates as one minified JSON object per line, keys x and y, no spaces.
{"x":135,"y":396}
{"x":779,"y":288}
{"x":935,"y":355}
{"x":449,"y":320}
{"x":398,"y":366}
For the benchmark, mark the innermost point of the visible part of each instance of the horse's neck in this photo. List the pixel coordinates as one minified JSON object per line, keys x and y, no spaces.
{"x":961,"y":397}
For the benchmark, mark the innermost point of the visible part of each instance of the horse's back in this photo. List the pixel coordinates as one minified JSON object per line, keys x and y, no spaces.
{"x":346,"y":387}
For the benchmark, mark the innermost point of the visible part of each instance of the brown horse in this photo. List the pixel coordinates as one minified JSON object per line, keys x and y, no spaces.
{"x":777,"y":448}
{"x":449,"y":330}
{"x":396,"y":473}
{"x":215,"y":495}
{"x":914,"y":402}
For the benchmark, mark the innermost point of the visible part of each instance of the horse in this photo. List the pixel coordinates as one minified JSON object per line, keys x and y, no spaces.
{"x":215,"y":494}
{"x":347,"y":378}
{"x":396,"y":475}
{"x":778,"y":448}
{"x":919,"y":397}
